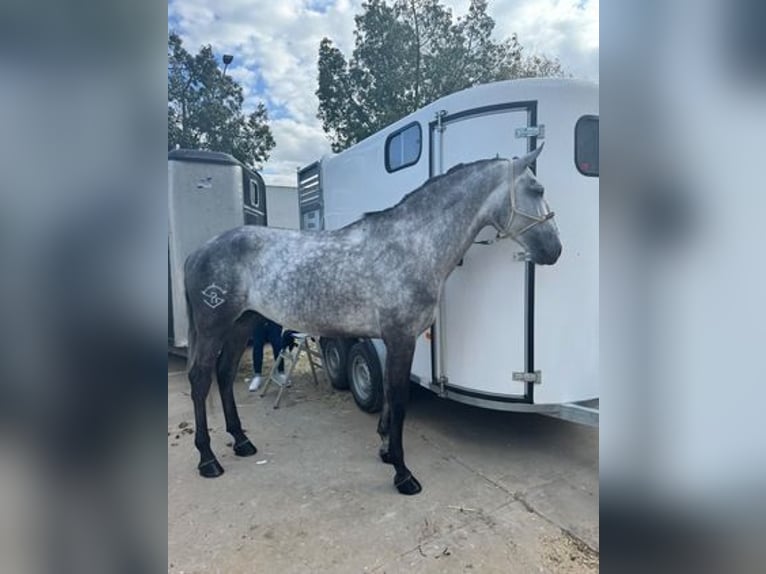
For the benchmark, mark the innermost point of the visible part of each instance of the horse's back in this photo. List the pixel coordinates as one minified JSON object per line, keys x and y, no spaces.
{"x":233,"y":246}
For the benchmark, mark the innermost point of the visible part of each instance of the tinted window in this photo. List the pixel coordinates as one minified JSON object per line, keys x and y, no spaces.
{"x":586,"y":145}
{"x":254,"y":196}
{"x":403,"y":147}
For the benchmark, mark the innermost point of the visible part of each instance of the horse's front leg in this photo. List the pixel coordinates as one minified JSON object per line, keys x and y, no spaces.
{"x":399,"y":353}
{"x":384,"y":425}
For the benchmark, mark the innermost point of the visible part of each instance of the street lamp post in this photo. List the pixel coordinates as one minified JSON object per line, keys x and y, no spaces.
{"x":227,"y":59}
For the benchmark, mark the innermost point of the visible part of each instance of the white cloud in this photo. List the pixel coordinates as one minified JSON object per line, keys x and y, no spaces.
{"x":298,"y":144}
{"x":247,"y":78}
{"x":566,"y":29}
{"x":275,"y":47}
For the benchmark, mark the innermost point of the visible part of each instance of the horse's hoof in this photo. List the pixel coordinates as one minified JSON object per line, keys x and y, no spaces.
{"x":385,"y":457}
{"x":408,"y":485}
{"x":210,"y":469}
{"x":245,"y":448}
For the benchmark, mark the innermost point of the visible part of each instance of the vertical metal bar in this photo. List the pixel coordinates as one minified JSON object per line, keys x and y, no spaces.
{"x":529,"y":287}
{"x":441,"y":338}
{"x":529,"y":326}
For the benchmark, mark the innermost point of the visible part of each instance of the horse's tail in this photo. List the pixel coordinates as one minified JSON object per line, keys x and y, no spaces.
{"x":192,"y":330}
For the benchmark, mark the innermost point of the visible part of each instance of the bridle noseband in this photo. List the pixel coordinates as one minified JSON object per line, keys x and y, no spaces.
{"x":534,"y":219}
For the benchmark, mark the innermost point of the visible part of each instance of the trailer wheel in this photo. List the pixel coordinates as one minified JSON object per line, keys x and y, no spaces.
{"x":365,"y":377}
{"x":335,"y":359}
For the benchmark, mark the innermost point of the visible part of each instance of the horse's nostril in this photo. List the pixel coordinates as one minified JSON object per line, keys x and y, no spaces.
{"x":556,"y":254}
{"x":553,"y":255}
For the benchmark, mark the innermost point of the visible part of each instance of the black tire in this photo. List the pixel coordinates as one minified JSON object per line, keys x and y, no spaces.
{"x":335,"y":359}
{"x":365,"y":377}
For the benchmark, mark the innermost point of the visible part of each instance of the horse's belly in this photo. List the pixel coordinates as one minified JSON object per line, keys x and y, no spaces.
{"x":316,"y":317}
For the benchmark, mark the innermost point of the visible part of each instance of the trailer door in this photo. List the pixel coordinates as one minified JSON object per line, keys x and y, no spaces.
{"x":483,"y":332}
{"x":254,"y":198}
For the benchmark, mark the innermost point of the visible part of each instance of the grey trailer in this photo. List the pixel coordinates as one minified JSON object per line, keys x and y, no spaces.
{"x":208,"y":193}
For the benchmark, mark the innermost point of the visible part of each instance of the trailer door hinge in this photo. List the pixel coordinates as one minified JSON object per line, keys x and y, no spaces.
{"x":439,"y":117}
{"x":536,"y":377}
{"x":441,"y":382}
{"x":531,"y":132}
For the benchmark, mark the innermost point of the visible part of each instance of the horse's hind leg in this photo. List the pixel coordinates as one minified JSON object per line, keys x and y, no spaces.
{"x":228,"y":364}
{"x":201,"y":377}
{"x":399,"y":353}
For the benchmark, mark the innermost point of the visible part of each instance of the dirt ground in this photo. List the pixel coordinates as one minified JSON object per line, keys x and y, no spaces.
{"x":502,"y":492}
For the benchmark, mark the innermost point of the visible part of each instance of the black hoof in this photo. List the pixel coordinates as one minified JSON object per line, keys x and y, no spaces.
{"x":385,"y":457}
{"x":245,"y":448}
{"x":408,"y":485}
{"x":210,"y":469}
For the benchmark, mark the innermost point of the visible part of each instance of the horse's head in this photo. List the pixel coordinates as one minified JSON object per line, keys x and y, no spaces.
{"x":524,"y":214}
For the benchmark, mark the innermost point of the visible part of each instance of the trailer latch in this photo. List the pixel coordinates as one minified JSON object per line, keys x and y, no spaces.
{"x":536,"y":377}
{"x":531,"y":132}
{"x":521,"y":256}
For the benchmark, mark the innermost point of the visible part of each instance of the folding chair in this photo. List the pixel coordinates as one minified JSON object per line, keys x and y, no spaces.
{"x":292,"y":356}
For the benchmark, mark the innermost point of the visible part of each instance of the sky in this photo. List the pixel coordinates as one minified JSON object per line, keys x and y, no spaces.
{"x":275,"y":45}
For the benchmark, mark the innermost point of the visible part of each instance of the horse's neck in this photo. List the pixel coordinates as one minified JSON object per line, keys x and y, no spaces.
{"x":464,"y":220}
{"x":455,"y":216}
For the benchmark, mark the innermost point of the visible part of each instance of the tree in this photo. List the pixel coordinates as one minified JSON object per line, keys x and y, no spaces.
{"x":408,"y":54}
{"x":205,"y":108}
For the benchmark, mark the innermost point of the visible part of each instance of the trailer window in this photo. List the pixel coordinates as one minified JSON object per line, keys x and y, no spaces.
{"x":254,"y":195}
{"x":403,"y":147}
{"x":586,"y":145}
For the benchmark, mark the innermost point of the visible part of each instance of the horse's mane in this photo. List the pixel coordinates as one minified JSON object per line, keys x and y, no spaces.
{"x":371,"y":215}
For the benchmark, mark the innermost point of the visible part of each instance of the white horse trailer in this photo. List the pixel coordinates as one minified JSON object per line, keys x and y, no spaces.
{"x":508,"y":335}
{"x":208,"y":193}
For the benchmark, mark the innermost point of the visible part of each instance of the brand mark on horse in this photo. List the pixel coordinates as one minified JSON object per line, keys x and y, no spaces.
{"x":213,"y":295}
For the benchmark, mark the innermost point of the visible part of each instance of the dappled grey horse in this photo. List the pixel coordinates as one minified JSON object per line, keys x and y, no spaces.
{"x":379,"y":277}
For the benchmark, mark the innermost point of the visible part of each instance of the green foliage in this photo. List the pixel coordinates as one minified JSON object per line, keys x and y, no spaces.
{"x":205,"y":108}
{"x":407,"y":54}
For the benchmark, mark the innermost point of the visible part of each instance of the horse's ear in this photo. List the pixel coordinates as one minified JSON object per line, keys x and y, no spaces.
{"x":529,"y":159}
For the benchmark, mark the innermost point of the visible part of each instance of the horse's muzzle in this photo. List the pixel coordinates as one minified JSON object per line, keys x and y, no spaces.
{"x":547,"y":256}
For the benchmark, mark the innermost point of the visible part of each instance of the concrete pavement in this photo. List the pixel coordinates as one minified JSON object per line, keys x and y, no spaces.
{"x":502,"y":492}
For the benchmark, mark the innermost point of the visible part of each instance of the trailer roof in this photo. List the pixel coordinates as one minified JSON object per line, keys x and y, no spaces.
{"x":203,"y":156}
{"x":518,"y":89}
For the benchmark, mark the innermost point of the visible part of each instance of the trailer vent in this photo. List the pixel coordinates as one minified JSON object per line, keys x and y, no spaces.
{"x":310,"y":201}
